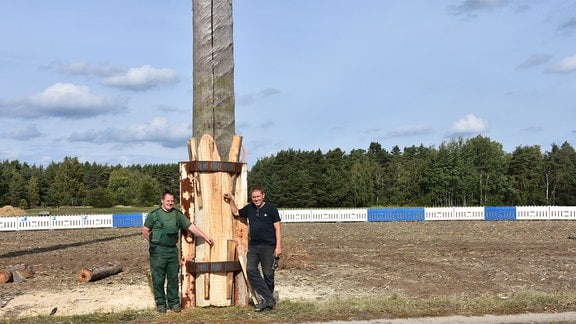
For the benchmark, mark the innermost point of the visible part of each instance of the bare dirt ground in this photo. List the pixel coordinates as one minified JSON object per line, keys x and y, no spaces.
{"x":412,"y":259}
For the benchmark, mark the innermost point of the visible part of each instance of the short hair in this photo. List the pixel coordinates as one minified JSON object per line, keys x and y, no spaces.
{"x":256,"y":188}
{"x":167,"y":192}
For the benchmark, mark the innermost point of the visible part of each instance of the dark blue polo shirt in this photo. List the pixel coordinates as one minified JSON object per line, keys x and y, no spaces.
{"x":261,"y":222}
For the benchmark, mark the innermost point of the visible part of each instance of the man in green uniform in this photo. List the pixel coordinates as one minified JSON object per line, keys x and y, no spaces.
{"x":162,"y":229}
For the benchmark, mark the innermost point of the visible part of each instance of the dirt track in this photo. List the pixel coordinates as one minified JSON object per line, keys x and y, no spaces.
{"x":415,"y":259}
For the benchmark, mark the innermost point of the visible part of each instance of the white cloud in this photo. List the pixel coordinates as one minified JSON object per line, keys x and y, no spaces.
{"x":535,"y":60}
{"x":245,"y":100}
{"x":566,"y":65}
{"x":83,"y":68}
{"x":532,"y":129}
{"x":469,"y":6}
{"x":569,"y":24}
{"x":409,"y":130}
{"x":66,"y":95}
{"x":25,"y":133}
{"x":251,"y":98}
{"x":158,"y":130}
{"x":267,"y":92}
{"x":469,"y":124}
{"x":61,"y":100}
{"x":142,"y":78}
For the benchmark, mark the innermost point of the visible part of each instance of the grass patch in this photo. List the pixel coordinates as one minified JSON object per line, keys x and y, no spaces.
{"x":338,"y":309}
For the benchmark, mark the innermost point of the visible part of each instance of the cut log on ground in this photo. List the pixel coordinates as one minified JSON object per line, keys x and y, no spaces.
{"x":5,"y":276}
{"x":97,"y":272}
{"x":17,"y":273}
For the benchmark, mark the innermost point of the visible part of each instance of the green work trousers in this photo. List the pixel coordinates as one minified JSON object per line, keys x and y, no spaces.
{"x":164,"y":267}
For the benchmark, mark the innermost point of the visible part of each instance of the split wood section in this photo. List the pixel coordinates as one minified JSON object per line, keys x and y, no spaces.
{"x":203,"y":182}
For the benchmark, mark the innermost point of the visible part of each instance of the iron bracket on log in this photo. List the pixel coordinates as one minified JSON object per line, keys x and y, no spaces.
{"x":215,"y":166}
{"x":218,"y":266}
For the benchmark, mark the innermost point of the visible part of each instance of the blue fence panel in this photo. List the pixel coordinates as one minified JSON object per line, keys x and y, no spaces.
{"x":127,"y":220}
{"x":395,"y":214}
{"x":500,"y":213}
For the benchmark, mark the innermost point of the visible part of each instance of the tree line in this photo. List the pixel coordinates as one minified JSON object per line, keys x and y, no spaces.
{"x":461,"y":172}
{"x":71,"y":183}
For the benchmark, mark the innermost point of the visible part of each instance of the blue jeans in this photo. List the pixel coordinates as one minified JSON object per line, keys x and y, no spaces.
{"x":263,"y":284}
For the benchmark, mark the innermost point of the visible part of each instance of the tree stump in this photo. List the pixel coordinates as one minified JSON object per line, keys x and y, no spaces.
{"x":5,"y":276}
{"x":17,"y":273}
{"x":97,"y":272}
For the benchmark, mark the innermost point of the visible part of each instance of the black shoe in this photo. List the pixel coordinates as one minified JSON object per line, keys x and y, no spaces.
{"x":161,"y":309}
{"x":176,"y":308}
{"x":264,"y":306}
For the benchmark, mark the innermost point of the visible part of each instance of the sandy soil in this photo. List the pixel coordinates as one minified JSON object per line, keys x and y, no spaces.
{"x":418,"y":259}
{"x":11,"y":211}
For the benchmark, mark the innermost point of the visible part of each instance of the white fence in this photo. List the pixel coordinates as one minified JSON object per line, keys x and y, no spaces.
{"x":454,"y":213}
{"x":546,"y":213}
{"x":24,"y":223}
{"x":505,"y":213}
{"x":323,"y":215}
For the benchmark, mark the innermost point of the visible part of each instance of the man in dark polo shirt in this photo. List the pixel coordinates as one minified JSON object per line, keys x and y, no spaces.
{"x":264,"y":244}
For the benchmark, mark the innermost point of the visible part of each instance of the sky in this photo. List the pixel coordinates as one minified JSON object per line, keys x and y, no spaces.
{"x":110,"y":81}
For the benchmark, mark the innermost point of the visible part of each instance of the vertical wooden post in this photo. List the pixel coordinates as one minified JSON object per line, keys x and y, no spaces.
{"x":213,"y":73}
{"x":241,"y":294}
{"x":188,"y":195}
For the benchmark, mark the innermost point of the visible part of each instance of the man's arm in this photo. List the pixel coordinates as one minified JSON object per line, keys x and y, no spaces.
{"x":197,"y":231}
{"x":146,"y":232}
{"x":230,"y":200}
{"x":278,"y":233}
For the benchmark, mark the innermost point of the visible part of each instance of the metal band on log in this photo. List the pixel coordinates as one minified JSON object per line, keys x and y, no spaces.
{"x":215,"y":166}
{"x":207,"y":267}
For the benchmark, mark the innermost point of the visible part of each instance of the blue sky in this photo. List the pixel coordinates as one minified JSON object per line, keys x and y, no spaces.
{"x":111,"y":81}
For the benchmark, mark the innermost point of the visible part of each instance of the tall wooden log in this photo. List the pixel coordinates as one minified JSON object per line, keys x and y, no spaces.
{"x":213,"y":72}
{"x":100,"y":271}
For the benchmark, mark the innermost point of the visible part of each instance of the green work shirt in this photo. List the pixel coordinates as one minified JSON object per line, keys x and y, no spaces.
{"x":164,"y":226}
